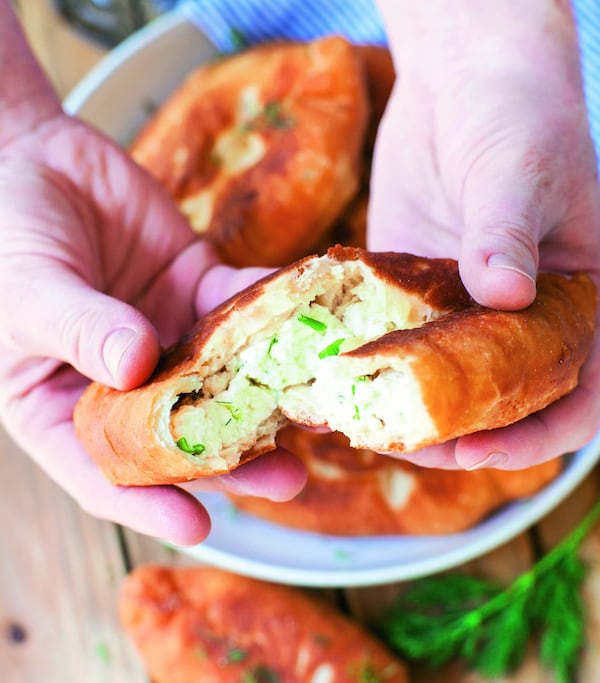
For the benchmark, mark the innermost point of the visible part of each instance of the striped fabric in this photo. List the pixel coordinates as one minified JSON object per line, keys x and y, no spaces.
{"x":224,"y":21}
{"x":587,"y":14}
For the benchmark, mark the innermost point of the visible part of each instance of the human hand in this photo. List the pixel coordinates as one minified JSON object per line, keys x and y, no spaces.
{"x":484,"y":155}
{"x":82,"y":231}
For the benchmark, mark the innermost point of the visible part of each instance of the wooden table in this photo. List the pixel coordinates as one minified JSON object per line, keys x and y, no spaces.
{"x":60,"y":569}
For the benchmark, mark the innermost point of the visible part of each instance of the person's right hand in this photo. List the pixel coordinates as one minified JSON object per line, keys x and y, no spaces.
{"x":98,"y":270}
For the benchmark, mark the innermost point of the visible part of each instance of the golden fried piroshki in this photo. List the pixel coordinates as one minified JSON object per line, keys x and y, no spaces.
{"x":384,"y":347}
{"x":204,"y":625}
{"x":262,"y":150}
{"x":353,"y":492}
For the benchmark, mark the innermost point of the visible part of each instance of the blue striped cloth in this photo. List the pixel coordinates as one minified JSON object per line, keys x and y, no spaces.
{"x":224,"y":21}
{"x":261,"y":20}
{"x":587,"y":15}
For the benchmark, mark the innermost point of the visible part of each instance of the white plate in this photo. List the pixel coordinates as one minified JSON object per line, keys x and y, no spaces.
{"x":117,"y":97}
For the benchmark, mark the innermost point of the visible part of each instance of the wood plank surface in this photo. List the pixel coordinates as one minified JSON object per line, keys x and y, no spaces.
{"x":59,"y":576}
{"x":60,"y":569}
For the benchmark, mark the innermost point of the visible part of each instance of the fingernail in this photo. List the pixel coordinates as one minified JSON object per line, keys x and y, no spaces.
{"x":115,"y":347}
{"x":506,"y":262}
{"x":492,"y":460}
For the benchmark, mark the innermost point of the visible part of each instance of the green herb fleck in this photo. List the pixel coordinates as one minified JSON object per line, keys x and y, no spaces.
{"x":458,"y":616}
{"x":269,"y":117}
{"x":274,"y":340}
{"x":232,"y":513}
{"x":235,"y":654}
{"x":196,"y":449}
{"x":342,"y":555}
{"x":261,"y":674}
{"x":363,"y":672}
{"x":235,"y":413}
{"x":238,"y":39}
{"x":356,"y":415}
{"x":321,"y":639}
{"x":368,"y":675}
{"x":312,"y":322}
{"x":275,"y":117}
{"x":103,"y":653}
{"x":332,"y":349}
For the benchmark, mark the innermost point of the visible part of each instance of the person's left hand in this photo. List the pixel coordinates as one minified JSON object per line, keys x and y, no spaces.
{"x":484,"y":155}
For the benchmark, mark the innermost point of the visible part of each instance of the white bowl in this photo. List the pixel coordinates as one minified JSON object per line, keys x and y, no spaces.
{"x":117,"y":96}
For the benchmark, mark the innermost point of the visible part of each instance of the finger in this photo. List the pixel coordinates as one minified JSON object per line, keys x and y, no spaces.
{"x":160,"y":511}
{"x":221,"y":282}
{"x":175,"y":516}
{"x":440,"y":456}
{"x":103,"y":338}
{"x":402,"y":211}
{"x":170,"y":302}
{"x":536,"y":439}
{"x":503,"y":217}
{"x":278,"y":476}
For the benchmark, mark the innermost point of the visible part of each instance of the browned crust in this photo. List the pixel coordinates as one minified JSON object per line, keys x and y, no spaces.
{"x":275,"y":210}
{"x":435,"y":280}
{"x":350,"y":227}
{"x":192,"y":624}
{"x":345,"y":493}
{"x":531,"y":358}
{"x":482,"y":369}
{"x":380,"y":77}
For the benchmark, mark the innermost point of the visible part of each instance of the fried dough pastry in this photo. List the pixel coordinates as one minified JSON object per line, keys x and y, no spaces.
{"x":350,"y":229}
{"x":361,"y":493}
{"x":380,"y":78}
{"x":204,"y":625}
{"x":262,"y":149}
{"x":386,"y":348}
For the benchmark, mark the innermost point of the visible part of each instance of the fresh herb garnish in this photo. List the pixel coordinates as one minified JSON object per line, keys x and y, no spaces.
{"x":342,"y":555}
{"x":322,"y":640}
{"x":195,"y":449}
{"x":235,"y":412}
{"x":275,"y":117}
{"x":312,"y":322}
{"x":238,"y":39}
{"x":356,"y":415}
{"x":271,"y":117}
{"x":368,"y":675}
{"x":235,"y":654}
{"x":261,"y":674}
{"x":102,"y":652}
{"x":456,"y":616}
{"x":363,"y":672}
{"x":274,"y":340}
{"x":332,"y":349}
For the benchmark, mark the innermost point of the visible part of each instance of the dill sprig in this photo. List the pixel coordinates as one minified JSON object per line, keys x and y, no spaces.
{"x":454,"y":616}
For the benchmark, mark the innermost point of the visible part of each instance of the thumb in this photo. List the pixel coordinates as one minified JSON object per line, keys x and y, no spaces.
{"x":101,"y":337}
{"x":499,"y":251}
{"x":221,"y":282}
